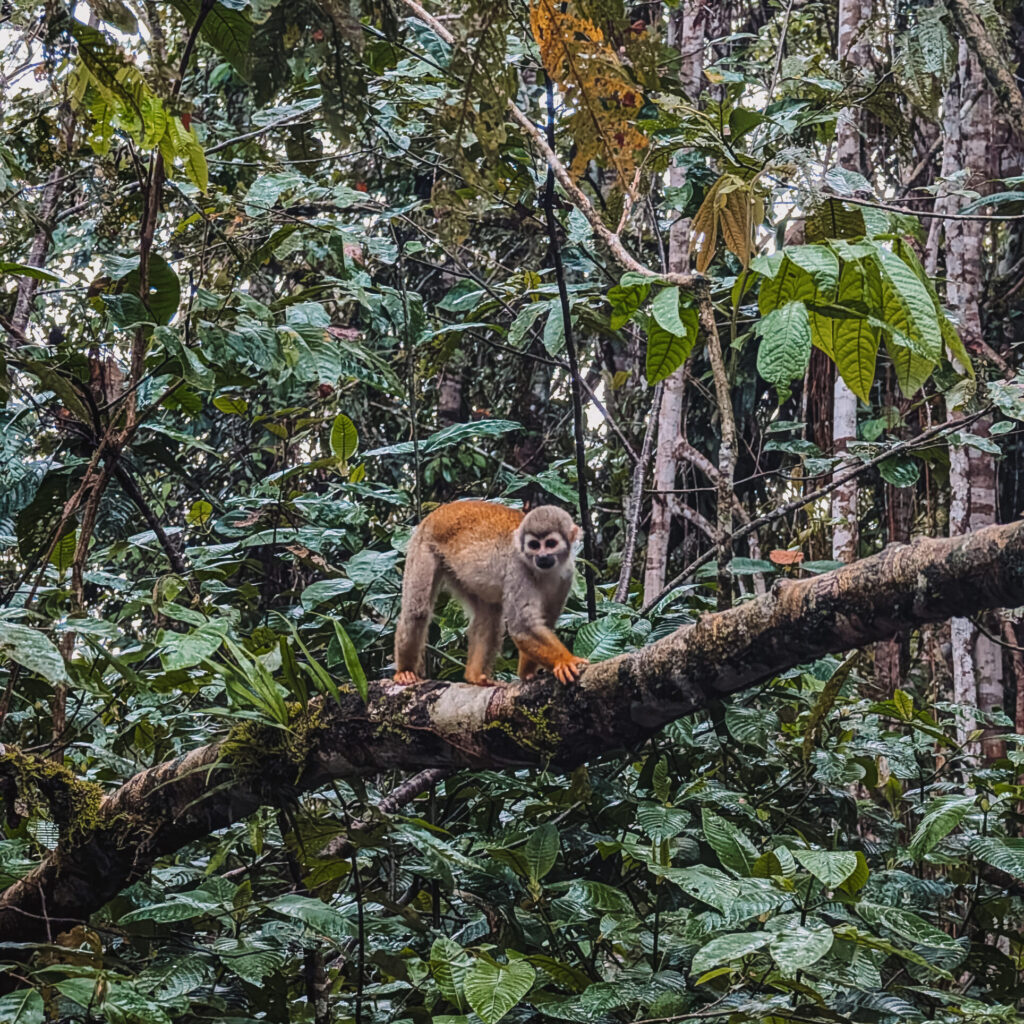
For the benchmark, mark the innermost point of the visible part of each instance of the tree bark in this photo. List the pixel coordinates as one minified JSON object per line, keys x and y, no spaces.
{"x":854,"y":48}
{"x":686,"y":35}
{"x":977,"y":659}
{"x":616,"y":703}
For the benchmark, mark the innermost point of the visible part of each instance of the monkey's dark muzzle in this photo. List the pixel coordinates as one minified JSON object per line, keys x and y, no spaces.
{"x":545,"y":561}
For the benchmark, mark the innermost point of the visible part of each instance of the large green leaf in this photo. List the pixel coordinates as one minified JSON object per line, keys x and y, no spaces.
{"x":943,"y":815}
{"x":734,"y":849}
{"x":541,"y":850}
{"x":449,"y":965}
{"x":819,"y":261}
{"x":625,"y":301}
{"x":850,"y":341}
{"x":726,"y":948}
{"x":666,"y":351}
{"x":785,"y":347}
{"x":830,"y":867}
{"x":493,"y":989}
{"x":790,"y":284}
{"x":32,"y":650}
{"x":1002,"y":852}
{"x":908,"y":307}
{"x":226,"y":29}
{"x":795,"y":946}
{"x":911,"y":369}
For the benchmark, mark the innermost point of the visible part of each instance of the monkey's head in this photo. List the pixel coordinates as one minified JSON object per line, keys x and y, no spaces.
{"x":545,"y":537}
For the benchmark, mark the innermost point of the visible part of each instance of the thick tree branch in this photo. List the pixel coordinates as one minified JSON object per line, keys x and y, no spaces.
{"x":617,"y":703}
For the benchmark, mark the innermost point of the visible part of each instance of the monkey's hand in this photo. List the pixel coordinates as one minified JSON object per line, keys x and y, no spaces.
{"x":569,"y":670}
{"x":407,"y":678}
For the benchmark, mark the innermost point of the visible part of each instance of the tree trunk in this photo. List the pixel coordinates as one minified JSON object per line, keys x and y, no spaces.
{"x":977,"y":659}
{"x":686,"y":35}
{"x":853,"y":47}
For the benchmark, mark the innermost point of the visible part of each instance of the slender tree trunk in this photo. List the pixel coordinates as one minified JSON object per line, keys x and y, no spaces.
{"x":977,"y":659}
{"x":686,"y":35}
{"x":853,"y":47}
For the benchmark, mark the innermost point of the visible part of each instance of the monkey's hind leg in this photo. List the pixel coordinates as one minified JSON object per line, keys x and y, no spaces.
{"x":420,"y":586}
{"x":485,"y":632}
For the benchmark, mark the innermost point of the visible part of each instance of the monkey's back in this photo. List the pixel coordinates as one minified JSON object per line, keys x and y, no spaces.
{"x":481,"y":532}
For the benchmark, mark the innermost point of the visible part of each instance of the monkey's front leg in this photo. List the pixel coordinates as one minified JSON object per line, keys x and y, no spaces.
{"x":539,"y":645}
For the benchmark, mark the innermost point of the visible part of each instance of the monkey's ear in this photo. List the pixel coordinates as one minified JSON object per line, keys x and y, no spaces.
{"x":575,"y":533}
{"x":517,"y":537}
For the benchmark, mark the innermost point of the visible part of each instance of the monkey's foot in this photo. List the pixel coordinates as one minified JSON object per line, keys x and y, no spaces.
{"x":569,"y":671}
{"x":484,"y":681}
{"x":407,"y":678}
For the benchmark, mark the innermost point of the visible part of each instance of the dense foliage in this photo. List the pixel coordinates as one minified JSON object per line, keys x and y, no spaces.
{"x":299,"y":286}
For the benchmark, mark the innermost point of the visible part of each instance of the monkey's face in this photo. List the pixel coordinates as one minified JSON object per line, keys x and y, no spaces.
{"x":546,"y":550}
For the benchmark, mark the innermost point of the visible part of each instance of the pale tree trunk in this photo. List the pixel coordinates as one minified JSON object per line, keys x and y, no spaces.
{"x":686,"y":34}
{"x":853,"y":47}
{"x":977,"y":659}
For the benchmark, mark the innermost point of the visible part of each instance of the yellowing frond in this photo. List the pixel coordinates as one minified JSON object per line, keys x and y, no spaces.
{"x":600,"y":98}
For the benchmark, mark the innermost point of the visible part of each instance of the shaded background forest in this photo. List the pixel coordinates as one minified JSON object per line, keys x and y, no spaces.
{"x":276,"y":279}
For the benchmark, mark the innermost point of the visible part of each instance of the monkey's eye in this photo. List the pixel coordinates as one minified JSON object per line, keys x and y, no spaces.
{"x":552,"y":543}
{"x":533,"y":545}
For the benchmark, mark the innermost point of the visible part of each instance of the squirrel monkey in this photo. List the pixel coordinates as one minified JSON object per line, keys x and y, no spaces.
{"x":505,"y":568}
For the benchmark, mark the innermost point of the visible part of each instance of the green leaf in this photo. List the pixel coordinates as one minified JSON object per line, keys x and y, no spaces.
{"x":625,"y":301}
{"x":32,"y":650}
{"x":665,"y":309}
{"x":344,"y":437}
{"x":860,"y":876}
{"x":851,"y":341}
{"x":908,"y":926}
{"x":830,"y":867}
{"x":63,"y":554}
{"x":25,"y":270}
{"x":666,"y":351}
{"x":199,"y":514}
{"x":659,"y":822}
{"x":226,"y":29}
{"x":908,"y":307}
{"x":789,"y":284}
{"x":553,"y":336}
{"x":817,"y":260}
{"x":912,"y":370}
{"x":785,"y":348}
{"x":542,"y":850}
{"x":900,"y":470}
{"x":494,"y":989}
{"x":726,"y":948}
{"x":325,"y":590}
{"x":164,"y":288}
{"x":525,"y":319}
{"x":449,"y":965}
{"x":734,"y":849}
{"x":25,"y":1006}
{"x":352,"y":663}
{"x":904,"y":705}
{"x":184,"y":650}
{"x":1001,"y":852}
{"x":231,"y":405}
{"x":457,"y":433}
{"x":603,"y":638}
{"x":943,"y":815}
{"x":796,"y":947}
{"x":834,"y":219}
{"x":331,"y":922}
